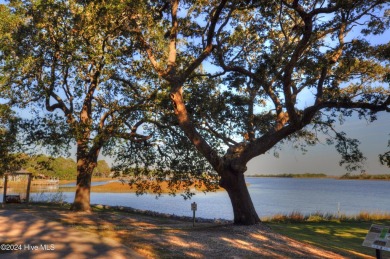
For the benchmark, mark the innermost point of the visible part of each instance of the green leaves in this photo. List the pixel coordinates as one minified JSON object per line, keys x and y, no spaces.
{"x":349,"y":151}
{"x":74,"y":62}
{"x":51,"y":167}
{"x":385,"y":157}
{"x":9,"y":161}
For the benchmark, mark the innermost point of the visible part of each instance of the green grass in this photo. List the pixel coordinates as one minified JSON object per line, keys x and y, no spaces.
{"x":345,"y":237}
{"x":297,"y":217}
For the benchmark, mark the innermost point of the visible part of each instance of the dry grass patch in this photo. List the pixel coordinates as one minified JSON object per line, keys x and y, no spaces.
{"x":119,"y":187}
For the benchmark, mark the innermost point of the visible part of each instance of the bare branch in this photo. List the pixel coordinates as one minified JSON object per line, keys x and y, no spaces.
{"x":228,"y":141}
{"x":210,"y":36}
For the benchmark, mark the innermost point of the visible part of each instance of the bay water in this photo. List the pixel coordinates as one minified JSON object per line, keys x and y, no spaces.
{"x":269,"y":195}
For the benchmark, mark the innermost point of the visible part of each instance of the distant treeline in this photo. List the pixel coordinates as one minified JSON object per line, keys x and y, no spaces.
{"x":365,"y":176}
{"x":305,"y":175}
{"x":42,"y":166}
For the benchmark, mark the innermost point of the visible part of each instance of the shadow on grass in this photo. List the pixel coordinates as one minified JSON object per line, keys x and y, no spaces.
{"x":110,"y":234}
{"x":345,"y":238}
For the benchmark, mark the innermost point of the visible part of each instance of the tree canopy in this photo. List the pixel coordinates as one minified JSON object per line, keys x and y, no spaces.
{"x":102,"y":169}
{"x":199,"y":87}
{"x":9,"y":159}
{"x":66,"y":63}
{"x":246,"y":76}
{"x":59,"y":167}
{"x":50,"y":167}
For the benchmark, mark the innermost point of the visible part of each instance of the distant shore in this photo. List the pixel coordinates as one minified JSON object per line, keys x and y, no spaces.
{"x":305,"y":175}
{"x":122,"y":187}
{"x":312,"y":175}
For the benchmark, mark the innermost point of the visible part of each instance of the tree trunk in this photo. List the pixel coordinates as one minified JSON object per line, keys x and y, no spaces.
{"x":85,"y":168}
{"x":244,"y":211}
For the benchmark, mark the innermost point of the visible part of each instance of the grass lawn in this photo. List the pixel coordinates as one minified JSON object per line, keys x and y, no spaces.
{"x":345,"y":238}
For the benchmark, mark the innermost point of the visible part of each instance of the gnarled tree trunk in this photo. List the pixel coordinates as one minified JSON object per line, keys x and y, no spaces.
{"x":85,"y":167}
{"x":235,"y":185}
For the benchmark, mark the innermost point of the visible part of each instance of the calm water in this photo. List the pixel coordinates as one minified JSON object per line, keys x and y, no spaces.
{"x":270,"y":196}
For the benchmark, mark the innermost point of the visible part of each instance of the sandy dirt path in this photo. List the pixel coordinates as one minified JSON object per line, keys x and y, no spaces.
{"x":114,"y":234}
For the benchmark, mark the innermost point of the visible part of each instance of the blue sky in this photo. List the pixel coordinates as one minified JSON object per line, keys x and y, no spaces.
{"x":323,"y":158}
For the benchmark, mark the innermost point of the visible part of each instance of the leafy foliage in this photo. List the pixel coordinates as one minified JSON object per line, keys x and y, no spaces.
{"x":67,"y":63}
{"x":385,"y":158}
{"x":43,"y":166}
{"x":169,"y":159}
{"x":9,"y":159}
{"x":69,"y":59}
{"x":50,"y":167}
{"x":102,"y":169}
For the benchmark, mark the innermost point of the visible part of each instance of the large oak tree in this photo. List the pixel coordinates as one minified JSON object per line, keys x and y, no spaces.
{"x":63,"y":61}
{"x":236,"y":72}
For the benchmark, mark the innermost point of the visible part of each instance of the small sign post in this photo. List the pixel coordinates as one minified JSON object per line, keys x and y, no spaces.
{"x":378,"y":237}
{"x":194,"y":207}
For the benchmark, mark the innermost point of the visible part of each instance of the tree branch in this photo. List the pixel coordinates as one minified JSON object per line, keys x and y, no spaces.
{"x":210,"y":36}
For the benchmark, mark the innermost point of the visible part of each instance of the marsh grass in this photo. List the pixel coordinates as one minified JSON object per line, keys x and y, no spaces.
{"x":119,"y":187}
{"x":298,"y":217}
